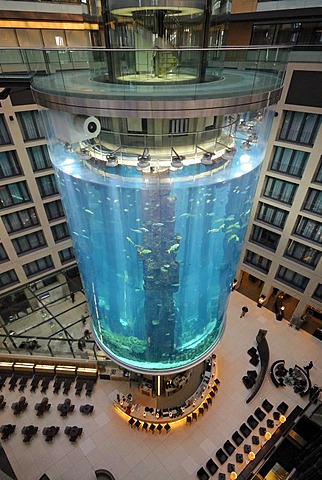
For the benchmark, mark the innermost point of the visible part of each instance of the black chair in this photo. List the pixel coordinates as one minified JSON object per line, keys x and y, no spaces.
{"x":247,"y":382}
{"x":86,"y":409}
{"x":262,"y":431}
{"x":201,"y":411}
{"x":230,"y":467}
{"x":237,"y":438}
{"x":252,"y":422}
{"x":222,"y":457}
{"x":252,"y":351}
{"x":229,"y":447}
{"x":247,"y":448}
{"x":212,"y":467}
{"x":67,"y":430}
{"x":137,"y":424}
{"x":255,"y":440}
{"x":212,"y":394}
{"x":131,"y":422}
{"x":282,"y":408}
{"x":209,"y":400}
{"x":239,"y":457}
{"x":188,"y":420}
{"x":145,"y":426}
{"x":270,"y":423}
{"x":244,"y":430}
{"x":259,"y":414}
{"x":222,"y":476}
{"x":252,"y":374}
{"x":160,"y":428}
{"x":194,"y":416}
{"x":167,"y":427}
{"x":202,"y":474}
{"x":7,"y":430}
{"x":254,"y":361}
{"x":267,"y":406}
{"x":276,"y":415}
{"x":152,"y":427}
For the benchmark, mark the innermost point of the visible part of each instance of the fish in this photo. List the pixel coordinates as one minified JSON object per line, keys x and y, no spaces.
{"x":130,"y":240}
{"x":150,"y":277}
{"x":211,"y":215}
{"x":219,"y":220}
{"x":208,"y":201}
{"x":116,"y":200}
{"x":213,"y":230}
{"x":178,"y":237}
{"x":157,"y":224}
{"x":88,"y":211}
{"x":166,"y":265}
{"x":232,"y":237}
{"x":230,"y":218}
{"x":144,"y":251}
{"x":173,"y":248}
{"x":126,"y":210}
{"x":136,"y":230}
{"x":138,"y":219}
{"x":163,"y":269}
{"x":146,"y":208}
{"x":144,"y":229}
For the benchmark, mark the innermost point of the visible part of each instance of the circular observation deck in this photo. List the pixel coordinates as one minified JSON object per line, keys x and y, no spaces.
{"x":246,"y":79}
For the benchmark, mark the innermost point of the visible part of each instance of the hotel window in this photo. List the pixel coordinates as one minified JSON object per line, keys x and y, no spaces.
{"x":300,"y":127}
{"x":38,"y":266}
{"x":179,"y":126}
{"x":31,"y":125}
{"x":60,"y":232}
{"x":3,"y":254}
{"x":257,"y":261}
{"x":66,"y":255}
{"x":313,"y":202}
{"x":294,"y":279}
{"x":29,"y":242}
{"x":13,"y":194}
{"x":4,"y":134}
{"x":47,"y":185}
{"x":272,"y":215}
{"x":265,"y":238}
{"x":291,"y":162}
{"x":318,"y":175}
{"x":318,"y":293}
{"x":310,"y":229}
{"x":54,"y":210}
{"x":39,"y":157}
{"x":9,"y":164}
{"x":8,"y":278}
{"x":280,"y":190}
{"x":301,"y":253}
{"x":137,"y":125}
{"x":20,"y":220}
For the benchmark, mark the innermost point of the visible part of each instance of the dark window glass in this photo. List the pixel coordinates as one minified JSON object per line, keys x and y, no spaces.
{"x":8,"y":278}
{"x":3,"y":254}
{"x":318,"y":293}
{"x":47,"y":185}
{"x":60,"y":231}
{"x":318,"y":175}
{"x":54,"y":210}
{"x":106,"y":123}
{"x":9,"y":164}
{"x":291,"y":162}
{"x":310,"y":229}
{"x":29,"y":242}
{"x":265,"y":238}
{"x":37,"y":266}
{"x":31,"y":125}
{"x":294,"y":279}
{"x":39,"y":157}
{"x":300,"y":127}
{"x":257,"y":261}
{"x":272,"y":215}
{"x":13,"y":194}
{"x":303,"y":254}
{"x":280,"y":190}
{"x":313,"y":202}
{"x":20,"y":220}
{"x":179,"y":126}
{"x":66,"y":255}
{"x":4,"y":134}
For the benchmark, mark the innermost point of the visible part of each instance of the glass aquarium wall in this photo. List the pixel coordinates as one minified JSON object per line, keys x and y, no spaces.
{"x":157,"y":248}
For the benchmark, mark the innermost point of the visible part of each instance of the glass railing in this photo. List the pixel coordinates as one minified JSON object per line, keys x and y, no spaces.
{"x":149,"y":74}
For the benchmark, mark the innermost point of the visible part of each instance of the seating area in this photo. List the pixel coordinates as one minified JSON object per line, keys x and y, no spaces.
{"x":50,"y":432}
{"x":251,"y":428}
{"x":66,"y":407}
{"x":42,"y":407}
{"x":29,"y":432}
{"x":20,"y":406}
{"x":73,"y":433}
{"x":254,"y":380}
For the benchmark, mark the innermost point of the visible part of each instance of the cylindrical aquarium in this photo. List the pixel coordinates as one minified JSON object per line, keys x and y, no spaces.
{"x":157,"y":242}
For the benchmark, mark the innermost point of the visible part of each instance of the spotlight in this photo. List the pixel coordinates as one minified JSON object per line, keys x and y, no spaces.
{"x":206,"y":159}
{"x":143,"y":161}
{"x":111,"y":161}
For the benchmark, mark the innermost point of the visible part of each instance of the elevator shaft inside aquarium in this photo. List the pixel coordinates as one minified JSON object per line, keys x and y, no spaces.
{"x":157,"y":248}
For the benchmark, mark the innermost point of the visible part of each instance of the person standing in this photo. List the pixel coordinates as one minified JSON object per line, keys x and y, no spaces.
{"x":244,"y":310}
{"x":72,"y":297}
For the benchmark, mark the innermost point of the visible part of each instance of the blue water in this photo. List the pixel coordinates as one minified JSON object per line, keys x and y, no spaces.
{"x":158,"y":257}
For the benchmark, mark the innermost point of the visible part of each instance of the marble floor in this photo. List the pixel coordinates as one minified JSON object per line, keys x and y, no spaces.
{"x":108,"y":441}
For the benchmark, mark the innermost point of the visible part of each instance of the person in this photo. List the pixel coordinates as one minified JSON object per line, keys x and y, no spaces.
{"x":80,"y":345}
{"x":243,"y":312}
{"x":87,"y":334}
{"x":83,"y":318}
{"x":72,"y":297}
{"x":308,"y":367}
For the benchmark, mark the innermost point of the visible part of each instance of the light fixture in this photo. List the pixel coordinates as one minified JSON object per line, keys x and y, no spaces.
{"x":233,"y":475}
{"x":251,"y":456}
{"x":282,"y":308}
{"x":268,"y":436}
{"x":282,"y":419}
{"x":207,"y":159}
{"x":112,"y":161}
{"x":143,"y":161}
{"x":144,"y":414}
{"x":176,"y":162}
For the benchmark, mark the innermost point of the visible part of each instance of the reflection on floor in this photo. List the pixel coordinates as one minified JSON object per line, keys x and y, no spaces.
{"x":107,"y":440}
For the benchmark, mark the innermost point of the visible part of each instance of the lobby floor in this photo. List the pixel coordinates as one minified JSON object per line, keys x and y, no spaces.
{"x":109,"y":442}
